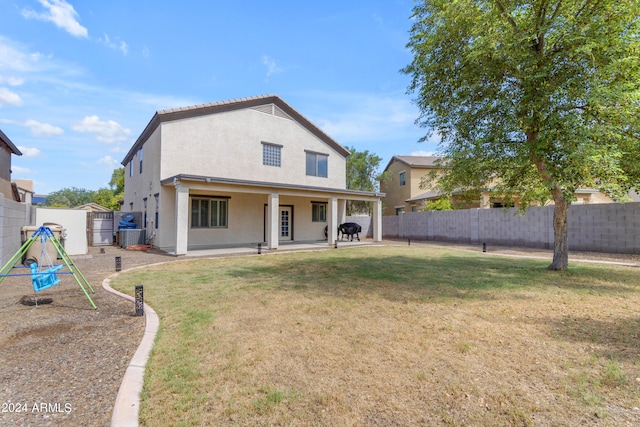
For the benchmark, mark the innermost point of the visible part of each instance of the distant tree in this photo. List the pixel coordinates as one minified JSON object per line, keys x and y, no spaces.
{"x":117,"y":181}
{"x":362,"y":174}
{"x":108,"y":197}
{"x":442,"y":204}
{"x":534,"y":96}
{"x":70,"y":197}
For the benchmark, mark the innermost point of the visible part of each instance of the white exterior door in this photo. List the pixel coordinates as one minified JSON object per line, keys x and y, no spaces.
{"x":286,"y":223}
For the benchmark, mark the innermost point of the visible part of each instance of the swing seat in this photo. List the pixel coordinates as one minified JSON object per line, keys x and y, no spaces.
{"x":44,"y":279}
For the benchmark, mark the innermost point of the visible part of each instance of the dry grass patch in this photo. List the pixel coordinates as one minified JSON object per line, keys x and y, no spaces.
{"x":390,"y":336}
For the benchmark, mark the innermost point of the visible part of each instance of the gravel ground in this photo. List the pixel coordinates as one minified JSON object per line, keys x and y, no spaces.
{"x":61,"y":363}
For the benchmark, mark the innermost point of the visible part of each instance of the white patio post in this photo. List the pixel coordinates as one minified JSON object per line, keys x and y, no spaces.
{"x":377,"y":220}
{"x":342,"y":211}
{"x":182,"y":218}
{"x":273,"y":217}
{"x":332,"y":221}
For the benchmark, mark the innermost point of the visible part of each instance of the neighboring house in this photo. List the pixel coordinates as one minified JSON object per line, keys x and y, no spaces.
{"x":402,"y":184}
{"x":7,"y":149}
{"x":24,"y":187}
{"x":243,"y":171}
{"x":403,"y":193}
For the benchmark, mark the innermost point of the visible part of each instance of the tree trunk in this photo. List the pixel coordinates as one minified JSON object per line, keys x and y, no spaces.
{"x":560,"y":248}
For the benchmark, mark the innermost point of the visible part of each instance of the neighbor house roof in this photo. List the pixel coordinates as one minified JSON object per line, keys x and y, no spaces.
{"x":225,"y":106}
{"x":4,"y":138}
{"x":425,"y":162}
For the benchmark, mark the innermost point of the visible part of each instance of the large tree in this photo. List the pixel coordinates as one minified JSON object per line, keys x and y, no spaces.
{"x":70,"y":197}
{"x":362,"y":174}
{"x":533,"y":96}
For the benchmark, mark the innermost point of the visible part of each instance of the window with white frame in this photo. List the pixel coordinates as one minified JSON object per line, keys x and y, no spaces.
{"x":403,"y":179}
{"x":209,"y":212}
{"x":271,"y":154}
{"x":317,"y":164}
{"x":140,"y":157}
{"x":318,"y":212}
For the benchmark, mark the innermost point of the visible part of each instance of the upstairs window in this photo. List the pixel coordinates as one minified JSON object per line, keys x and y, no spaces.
{"x":403,"y":179}
{"x":271,"y":154}
{"x":140,"y":156}
{"x":317,"y":164}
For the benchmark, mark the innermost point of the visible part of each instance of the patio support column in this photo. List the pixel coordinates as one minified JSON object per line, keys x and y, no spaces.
{"x":332,"y":221}
{"x":273,"y":217}
{"x":377,"y":220}
{"x":182,"y":218}
{"x":342,"y":211}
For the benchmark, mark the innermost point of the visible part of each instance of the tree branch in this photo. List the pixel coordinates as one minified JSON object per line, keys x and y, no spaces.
{"x":506,"y":15}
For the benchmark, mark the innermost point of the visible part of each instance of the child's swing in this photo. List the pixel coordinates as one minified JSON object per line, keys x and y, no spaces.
{"x":40,"y":277}
{"x":43,"y":271}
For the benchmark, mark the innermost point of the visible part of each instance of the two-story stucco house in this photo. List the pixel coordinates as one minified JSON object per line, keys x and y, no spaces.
{"x":7,"y":149}
{"x":243,"y":171}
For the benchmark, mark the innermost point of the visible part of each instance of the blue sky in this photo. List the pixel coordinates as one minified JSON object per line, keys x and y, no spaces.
{"x":79,"y":81}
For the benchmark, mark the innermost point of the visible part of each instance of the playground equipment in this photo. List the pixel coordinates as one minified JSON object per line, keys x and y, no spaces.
{"x":44,"y":274}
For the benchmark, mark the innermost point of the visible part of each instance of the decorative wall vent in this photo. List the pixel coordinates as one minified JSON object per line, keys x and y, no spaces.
{"x":272,"y":109}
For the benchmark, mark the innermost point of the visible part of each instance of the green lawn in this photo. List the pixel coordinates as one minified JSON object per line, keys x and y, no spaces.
{"x":410,"y":335}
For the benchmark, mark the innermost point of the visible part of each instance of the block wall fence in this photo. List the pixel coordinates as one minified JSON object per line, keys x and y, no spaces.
{"x":611,"y":227}
{"x":13,"y":215}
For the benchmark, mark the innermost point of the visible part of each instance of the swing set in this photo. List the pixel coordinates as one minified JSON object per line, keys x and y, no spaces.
{"x":44,"y":274}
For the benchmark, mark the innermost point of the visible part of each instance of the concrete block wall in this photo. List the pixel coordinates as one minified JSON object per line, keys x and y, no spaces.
{"x":366,"y":222}
{"x":13,"y":216}
{"x":612,"y":227}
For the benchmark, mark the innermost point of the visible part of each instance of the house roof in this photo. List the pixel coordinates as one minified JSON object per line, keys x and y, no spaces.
{"x":354,"y":194}
{"x":428,"y":195}
{"x":425,"y":162}
{"x":4,"y":138}
{"x":225,"y":106}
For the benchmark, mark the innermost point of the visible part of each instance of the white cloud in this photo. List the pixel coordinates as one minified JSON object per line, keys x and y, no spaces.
{"x":272,"y":67}
{"x":105,"y":131}
{"x":423,"y":153}
{"x":362,"y":117}
{"x":9,"y":98}
{"x":29,"y":151}
{"x":62,"y":14}
{"x":115,"y":45}
{"x":11,"y":81}
{"x":110,"y":162}
{"x":17,"y":169}
{"x":42,"y":129}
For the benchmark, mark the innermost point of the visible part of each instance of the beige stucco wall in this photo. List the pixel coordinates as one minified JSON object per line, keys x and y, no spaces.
{"x":73,"y":221}
{"x":229,"y":145}
{"x":396,"y":194}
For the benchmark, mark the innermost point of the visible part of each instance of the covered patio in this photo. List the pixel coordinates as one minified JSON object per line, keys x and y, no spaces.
{"x":249,"y":213}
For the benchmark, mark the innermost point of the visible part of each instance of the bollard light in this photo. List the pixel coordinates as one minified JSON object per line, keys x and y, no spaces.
{"x":139,"y":300}
{"x":409,"y":242}
{"x":484,"y":247}
{"x":259,"y":248}
{"x":118,"y":263}
{"x":335,"y":245}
